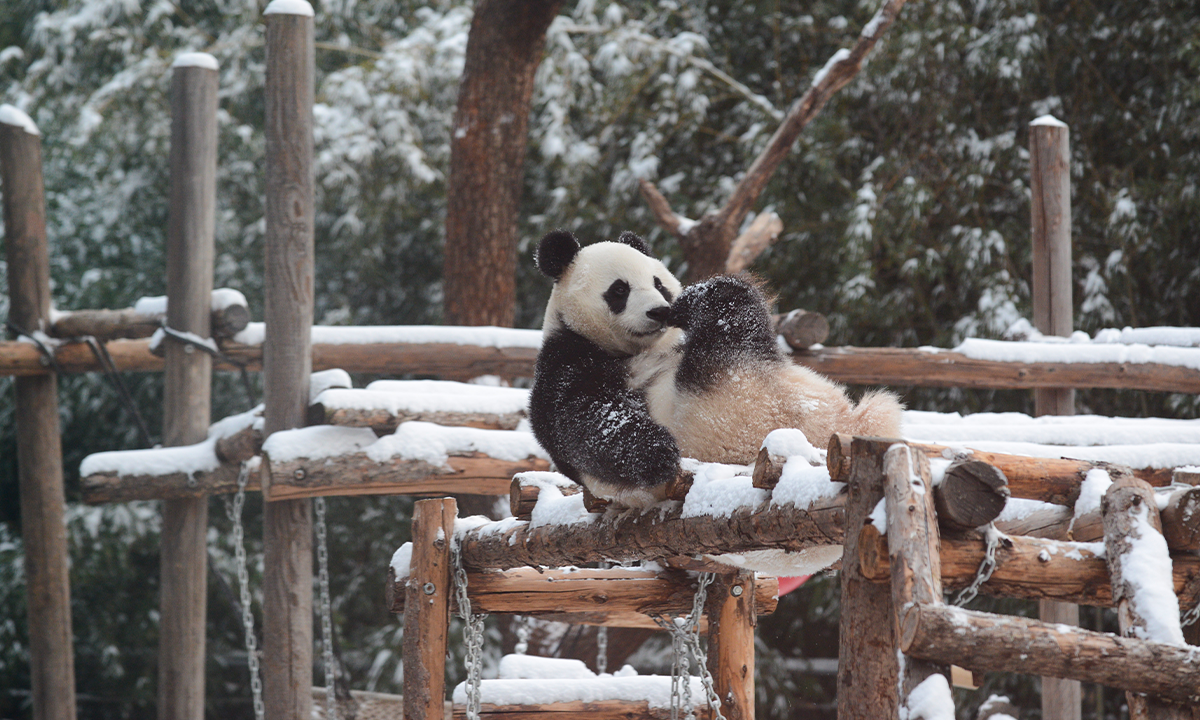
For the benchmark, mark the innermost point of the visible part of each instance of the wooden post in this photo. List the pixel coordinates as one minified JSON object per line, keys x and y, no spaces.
{"x":731,"y":621}
{"x":287,"y":358}
{"x":39,"y":444}
{"x":427,"y":608}
{"x":867,"y":667}
{"x":1050,"y":183}
{"x":1124,"y":501}
{"x":916,"y":567}
{"x":187,"y":383}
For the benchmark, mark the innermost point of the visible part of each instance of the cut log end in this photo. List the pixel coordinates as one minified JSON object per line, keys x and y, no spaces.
{"x":972,"y":493}
{"x":802,"y":329}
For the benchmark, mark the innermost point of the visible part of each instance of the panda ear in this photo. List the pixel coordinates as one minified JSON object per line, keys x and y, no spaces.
{"x":555,"y":253}
{"x":634,"y":241}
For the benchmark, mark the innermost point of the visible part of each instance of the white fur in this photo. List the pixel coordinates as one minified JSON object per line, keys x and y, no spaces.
{"x":577,"y":299}
{"x":728,"y":423}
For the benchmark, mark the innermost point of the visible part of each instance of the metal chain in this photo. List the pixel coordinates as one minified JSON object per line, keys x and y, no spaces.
{"x":234,"y":511}
{"x":472,"y":635}
{"x":1192,"y":616}
{"x":686,"y":650}
{"x":698,"y":654}
{"x":986,"y":567}
{"x":326,"y":608}
{"x":601,"y":650}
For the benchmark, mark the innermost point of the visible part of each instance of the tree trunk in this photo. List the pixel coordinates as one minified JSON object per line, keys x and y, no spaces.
{"x":487,"y":154}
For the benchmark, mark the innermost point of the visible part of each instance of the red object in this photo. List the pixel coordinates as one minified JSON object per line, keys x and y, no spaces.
{"x":788,"y":584}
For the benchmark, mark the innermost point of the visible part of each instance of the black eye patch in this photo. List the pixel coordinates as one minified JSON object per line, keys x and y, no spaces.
{"x":658,"y":285}
{"x":616,"y":296}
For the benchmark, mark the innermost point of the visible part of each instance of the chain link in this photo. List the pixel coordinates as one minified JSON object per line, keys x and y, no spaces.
{"x":686,"y":650}
{"x":331,"y":710}
{"x":1192,"y":616}
{"x":986,"y":567}
{"x":234,"y":511}
{"x":472,"y":635}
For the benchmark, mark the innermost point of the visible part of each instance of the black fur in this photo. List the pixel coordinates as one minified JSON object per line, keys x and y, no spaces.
{"x":555,"y":252}
{"x":585,"y":417}
{"x":635,"y":241}
{"x":727,"y":325}
{"x":616,"y":296}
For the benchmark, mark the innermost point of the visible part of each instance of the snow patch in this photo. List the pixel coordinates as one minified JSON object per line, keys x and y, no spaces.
{"x":931,"y":700}
{"x":196,"y":59}
{"x":289,"y":7}
{"x":1048,"y":121}
{"x":11,"y":115}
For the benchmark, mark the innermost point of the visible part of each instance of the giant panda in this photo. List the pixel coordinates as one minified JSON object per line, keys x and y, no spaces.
{"x":610,"y":301}
{"x":719,"y":382}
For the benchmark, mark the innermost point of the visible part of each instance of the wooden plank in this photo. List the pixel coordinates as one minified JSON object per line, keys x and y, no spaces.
{"x":39,"y":445}
{"x":287,"y":355}
{"x":731,"y":620}
{"x":427,"y":608}
{"x":1027,"y":568}
{"x":867,"y":689}
{"x":612,"y":591}
{"x":187,"y":389}
{"x":916,"y":571}
{"x":470,"y":473}
{"x":852,"y":365}
{"x":983,"y":642}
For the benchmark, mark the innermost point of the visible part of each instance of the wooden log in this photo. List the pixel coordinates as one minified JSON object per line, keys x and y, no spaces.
{"x":596,"y":710}
{"x":1052,"y":480}
{"x":802,"y":329}
{"x":427,"y":608}
{"x":127,"y":323}
{"x":529,"y":591}
{"x":287,"y":352}
{"x":187,"y":388}
{"x":1027,"y":569}
{"x":867,"y":688}
{"x":39,"y":444}
{"x":983,"y":642}
{"x":384,"y":422}
{"x":972,"y":494}
{"x":102,"y":488}
{"x":916,"y":573}
{"x":658,"y":534}
{"x":240,"y":446}
{"x":357,"y":474}
{"x":1181,"y":520}
{"x":731,"y":620}
{"x":851,"y":365}
{"x":1127,"y":499}
{"x":523,"y":495}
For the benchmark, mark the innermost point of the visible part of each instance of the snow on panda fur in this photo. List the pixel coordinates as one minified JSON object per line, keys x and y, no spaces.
{"x":720,"y":382}
{"x":610,"y":301}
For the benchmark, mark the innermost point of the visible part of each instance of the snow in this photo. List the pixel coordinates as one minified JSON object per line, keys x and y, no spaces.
{"x":879,"y":516}
{"x":839,"y":56}
{"x":483,"y":336}
{"x":931,"y":700}
{"x":221,"y":298}
{"x":1146,"y":567}
{"x":1076,"y":430}
{"x":1048,"y":120}
{"x":155,"y":305}
{"x":402,"y":560}
{"x":554,"y":508}
{"x":1091,"y":492}
{"x":719,"y":490}
{"x":1149,"y":455}
{"x":319,"y":382}
{"x":227,"y":297}
{"x":434,"y":443}
{"x":189,"y":459}
{"x":195,"y":59}
{"x":532,"y":667}
{"x":789,"y":442}
{"x":802,"y":484}
{"x":11,"y":115}
{"x":1067,"y":351}
{"x":652,"y":689}
{"x":1020,"y":508}
{"x":289,"y":7}
{"x":1179,"y":336}
{"x":317,"y":442}
{"x":428,"y":396}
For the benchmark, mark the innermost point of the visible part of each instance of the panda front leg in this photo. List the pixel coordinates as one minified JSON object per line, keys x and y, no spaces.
{"x":626,"y":456}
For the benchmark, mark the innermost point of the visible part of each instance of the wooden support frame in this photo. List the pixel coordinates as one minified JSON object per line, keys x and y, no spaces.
{"x":39,"y":443}
{"x":916,"y":571}
{"x":187,"y":388}
{"x":731,"y":621}
{"x":427,"y":608}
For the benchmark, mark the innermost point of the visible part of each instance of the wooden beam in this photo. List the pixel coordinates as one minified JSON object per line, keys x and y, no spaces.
{"x":867,"y":689}
{"x":103,"y":488}
{"x":385,"y":422}
{"x":612,"y":591}
{"x":595,"y":710}
{"x":1052,"y":480}
{"x":916,"y":573}
{"x":39,"y":444}
{"x":287,"y":351}
{"x":128,"y":324}
{"x":1026,"y":568}
{"x":731,"y":620}
{"x":984,"y":642}
{"x":187,"y":388}
{"x":427,"y":608}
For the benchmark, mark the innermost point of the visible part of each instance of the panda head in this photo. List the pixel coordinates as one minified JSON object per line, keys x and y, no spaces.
{"x":613,"y":293}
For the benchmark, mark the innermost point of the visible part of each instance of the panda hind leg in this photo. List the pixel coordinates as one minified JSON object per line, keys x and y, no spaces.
{"x":877,"y":414}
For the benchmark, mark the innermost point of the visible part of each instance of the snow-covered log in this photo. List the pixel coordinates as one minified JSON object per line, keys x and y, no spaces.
{"x":1028,"y":568}
{"x":384,"y":405}
{"x":1000,"y":643}
{"x":133,"y":323}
